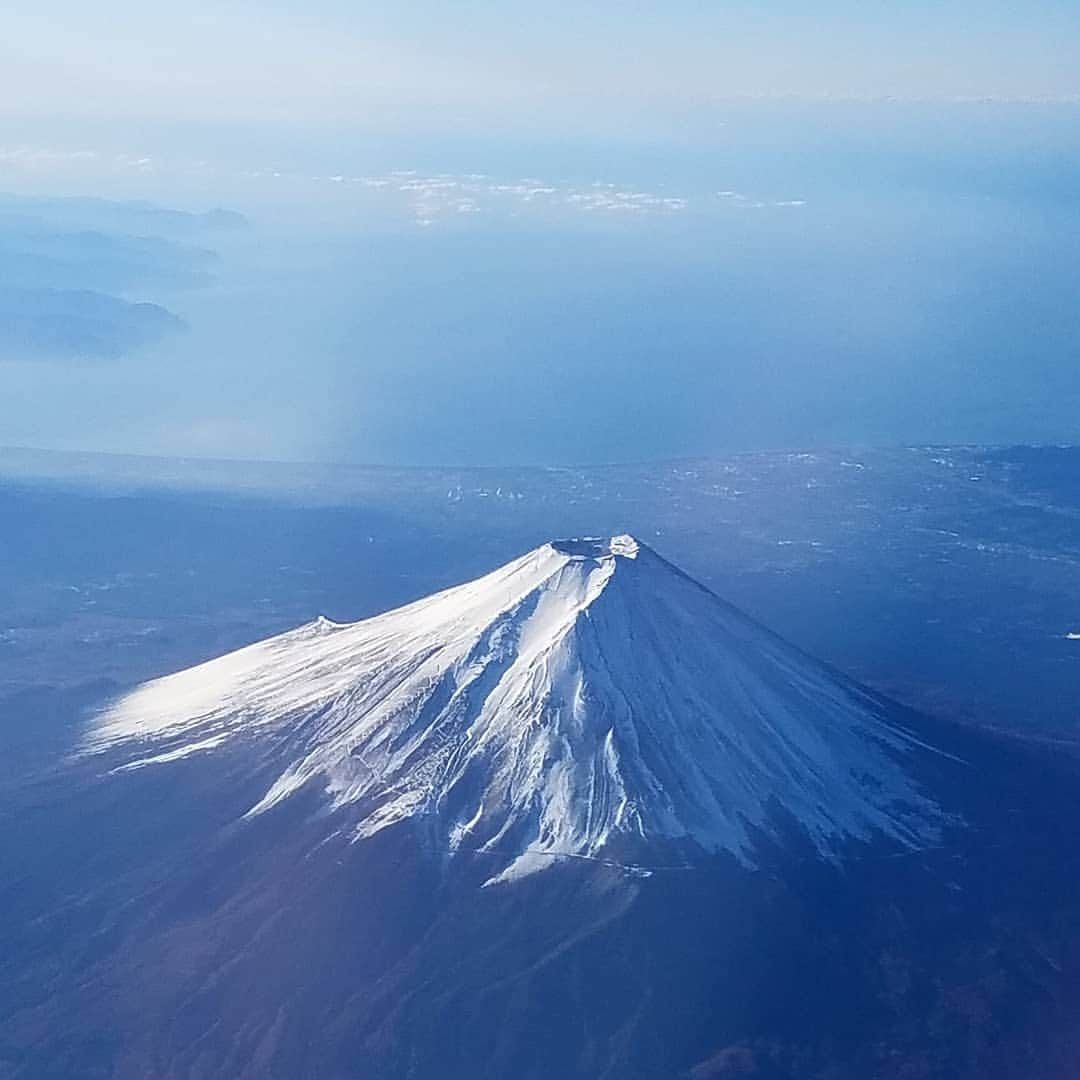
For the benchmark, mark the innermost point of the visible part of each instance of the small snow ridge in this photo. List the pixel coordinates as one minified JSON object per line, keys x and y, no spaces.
{"x":596,"y":547}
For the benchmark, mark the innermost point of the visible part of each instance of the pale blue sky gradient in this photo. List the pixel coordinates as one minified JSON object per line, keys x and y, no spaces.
{"x":602,"y":67}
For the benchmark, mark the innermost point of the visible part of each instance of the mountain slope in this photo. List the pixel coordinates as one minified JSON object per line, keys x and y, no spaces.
{"x":582,"y":700}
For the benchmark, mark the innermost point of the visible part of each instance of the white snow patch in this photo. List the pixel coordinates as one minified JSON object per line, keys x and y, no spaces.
{"x":174,"y":755}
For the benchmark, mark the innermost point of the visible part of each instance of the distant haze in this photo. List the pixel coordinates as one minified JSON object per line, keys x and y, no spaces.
{"x":599,"y":68}
{"x":569,"y":235}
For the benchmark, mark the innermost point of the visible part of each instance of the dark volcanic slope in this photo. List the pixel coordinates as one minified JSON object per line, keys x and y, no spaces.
{"x":146,"y":934}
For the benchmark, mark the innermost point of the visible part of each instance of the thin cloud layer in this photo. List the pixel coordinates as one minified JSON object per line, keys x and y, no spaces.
{"x":426,"y":198}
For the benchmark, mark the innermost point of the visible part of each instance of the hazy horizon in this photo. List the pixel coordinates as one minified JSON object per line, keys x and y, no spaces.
{"x":583,"y":237}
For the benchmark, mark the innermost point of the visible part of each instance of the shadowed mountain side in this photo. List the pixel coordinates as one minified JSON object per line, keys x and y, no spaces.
{"x":203,"y":948}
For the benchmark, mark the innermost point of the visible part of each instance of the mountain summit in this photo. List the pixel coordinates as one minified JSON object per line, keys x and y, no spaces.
{"x":587,"y":699}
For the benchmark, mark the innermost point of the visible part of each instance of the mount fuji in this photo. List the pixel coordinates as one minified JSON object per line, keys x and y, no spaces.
{"x":582,"y":700}
{"x":577,"y":818}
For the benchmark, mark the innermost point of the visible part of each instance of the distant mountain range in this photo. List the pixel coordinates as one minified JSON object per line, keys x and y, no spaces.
{"x":77,"y":324}
{"x":77,"y":275}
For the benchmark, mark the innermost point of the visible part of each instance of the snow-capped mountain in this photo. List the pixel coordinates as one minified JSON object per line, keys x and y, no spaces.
{"x":584,"y":699}
{"x":273,"y":865}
